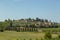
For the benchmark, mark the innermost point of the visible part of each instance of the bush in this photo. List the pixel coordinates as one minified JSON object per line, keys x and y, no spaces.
{"x":59,"y":36}
{"x":48,"y":35}
{"x":41,"y":39}
{"x":1,"y":30}
{"x":18,"y":30}
{"x":30,"y":39}
{"x":17,"y":39}
{"x":24,"y":39}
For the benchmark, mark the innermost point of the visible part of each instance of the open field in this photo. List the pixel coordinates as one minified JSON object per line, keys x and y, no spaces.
{"x":13,"y":35}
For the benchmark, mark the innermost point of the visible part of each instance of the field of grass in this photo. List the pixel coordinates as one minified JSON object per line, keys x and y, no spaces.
{"x":13,"y":35}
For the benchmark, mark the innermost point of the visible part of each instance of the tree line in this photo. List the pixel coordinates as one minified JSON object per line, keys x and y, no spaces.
{"x":27,"y":23}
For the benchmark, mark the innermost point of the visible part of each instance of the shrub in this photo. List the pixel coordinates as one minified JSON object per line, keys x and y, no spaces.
{"x":59,"y":36}
{"x":24,"y":39}
{"x":30,"y":39}
{"x":41,"y":39}
{"x":17,"y":39}
{"x":48,"y":35}
{"x":1,"y":30}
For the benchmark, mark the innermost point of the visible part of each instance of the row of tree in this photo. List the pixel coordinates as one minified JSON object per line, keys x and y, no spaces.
{"x":36,"y":19}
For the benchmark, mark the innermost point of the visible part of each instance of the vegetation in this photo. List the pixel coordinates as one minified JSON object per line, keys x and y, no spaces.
{"x":29,"y":29}
{"x":13,"y":35}
{"x":27,"y":23}
{"x":48,"y":35}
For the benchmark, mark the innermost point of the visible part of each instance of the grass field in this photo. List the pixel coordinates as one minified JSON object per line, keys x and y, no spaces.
{"x":13,"y":35}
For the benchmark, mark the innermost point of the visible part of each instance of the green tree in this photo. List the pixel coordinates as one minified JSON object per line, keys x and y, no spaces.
{"x":3,"y":26}
{"x":46,"y":20}
{"x":37,"y":19}
{"x":29,"y":19}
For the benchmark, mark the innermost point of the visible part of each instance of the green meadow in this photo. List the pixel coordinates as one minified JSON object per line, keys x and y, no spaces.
{"x":13,"y":35}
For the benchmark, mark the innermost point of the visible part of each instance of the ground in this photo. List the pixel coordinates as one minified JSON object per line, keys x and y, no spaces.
{"x":13,"y":35}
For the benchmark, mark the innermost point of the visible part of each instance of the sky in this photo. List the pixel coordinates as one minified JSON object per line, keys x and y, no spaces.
{"x":17,"y":9}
